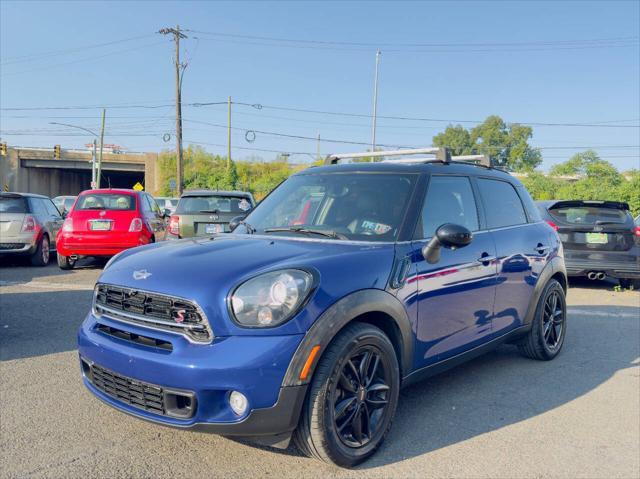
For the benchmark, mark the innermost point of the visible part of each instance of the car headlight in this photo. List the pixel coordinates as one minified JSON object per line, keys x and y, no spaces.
{"x":271,"y":298}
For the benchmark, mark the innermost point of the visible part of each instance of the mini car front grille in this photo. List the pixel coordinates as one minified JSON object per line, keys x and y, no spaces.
{"x":141,"y":395}
{"x":134,"y":338}
{"x":152,"y":310}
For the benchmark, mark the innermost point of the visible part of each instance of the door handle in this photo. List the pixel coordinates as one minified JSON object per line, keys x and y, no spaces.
{"x":542,"y":248}
{"x":485,"y":258}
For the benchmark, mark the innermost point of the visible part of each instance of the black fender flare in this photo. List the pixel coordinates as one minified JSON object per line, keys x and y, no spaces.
{"x":325,"y":328}
{"x":554,"y":266}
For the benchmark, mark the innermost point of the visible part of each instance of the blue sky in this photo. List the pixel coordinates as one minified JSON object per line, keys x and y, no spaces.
{"x":525,"y":61}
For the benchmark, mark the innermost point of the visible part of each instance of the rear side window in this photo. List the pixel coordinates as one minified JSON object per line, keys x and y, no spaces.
{"x":502,"y":203}
{"x":589,"y":215}
{"x":13,"y":204}
{"x":212,"y":204}
{"x":106,"y":201}
{"x":449,"y":199}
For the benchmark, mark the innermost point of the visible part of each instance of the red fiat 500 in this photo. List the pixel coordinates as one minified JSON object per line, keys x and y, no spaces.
{"x":105,"y":222}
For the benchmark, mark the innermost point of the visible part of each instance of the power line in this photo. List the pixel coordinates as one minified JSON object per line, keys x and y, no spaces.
{"x":33,"y":56}
{"x":448,"y":47}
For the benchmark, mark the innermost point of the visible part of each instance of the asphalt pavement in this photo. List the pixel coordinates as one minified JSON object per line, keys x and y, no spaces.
{"x":499,"y":416}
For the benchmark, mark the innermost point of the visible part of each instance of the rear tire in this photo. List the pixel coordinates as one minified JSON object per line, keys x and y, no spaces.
{"x":628,"y":283}
{"x":548,"y":330}
{"x":43,"y":252}
{"x":65,"y":262}
{"x":352,"y":398}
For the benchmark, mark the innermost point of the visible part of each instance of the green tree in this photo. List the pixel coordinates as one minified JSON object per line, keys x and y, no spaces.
{"x":457,"y":138}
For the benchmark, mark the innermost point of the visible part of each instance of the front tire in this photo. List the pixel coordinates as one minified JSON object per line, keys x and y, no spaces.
{"x":65,"y":262}
{"x":352,"y":398}
{"x":546,"y":337}
{"x":42,"y":254}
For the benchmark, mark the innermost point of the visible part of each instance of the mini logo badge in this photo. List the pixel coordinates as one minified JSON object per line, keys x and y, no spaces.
{"x":180,"y":316}
{"x":141,"y":274}
{"x":102,"y":213}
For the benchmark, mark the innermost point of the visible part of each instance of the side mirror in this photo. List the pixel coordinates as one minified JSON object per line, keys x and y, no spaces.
{"x":166,"y":212}
{"x":448,"y":235}
{"x":233,"y":224}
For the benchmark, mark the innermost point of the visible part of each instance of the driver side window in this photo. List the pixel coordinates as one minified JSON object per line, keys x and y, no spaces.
{"x":449,"y":199}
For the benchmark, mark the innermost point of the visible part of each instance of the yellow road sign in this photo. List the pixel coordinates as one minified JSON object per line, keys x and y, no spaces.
{"x":138,"y":186}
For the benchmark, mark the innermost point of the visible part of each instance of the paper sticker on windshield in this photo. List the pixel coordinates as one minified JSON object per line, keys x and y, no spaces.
{"x":377,"y":228}
{"x":244,"y":205}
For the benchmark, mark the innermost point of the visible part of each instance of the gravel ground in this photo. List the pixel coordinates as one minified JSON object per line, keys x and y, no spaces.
{"x":499,"y":416}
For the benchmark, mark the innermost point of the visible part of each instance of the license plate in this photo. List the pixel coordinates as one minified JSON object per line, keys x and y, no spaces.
{"x":597,"y":238}
{"x":100,"y":225}
{"x":212,"y":228}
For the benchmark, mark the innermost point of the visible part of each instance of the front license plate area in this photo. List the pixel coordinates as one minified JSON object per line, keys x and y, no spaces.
{"x":597,"y":238}
{"x":100,"y":225}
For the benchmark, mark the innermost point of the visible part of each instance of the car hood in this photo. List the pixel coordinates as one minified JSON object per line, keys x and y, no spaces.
{"x":207,"y":270}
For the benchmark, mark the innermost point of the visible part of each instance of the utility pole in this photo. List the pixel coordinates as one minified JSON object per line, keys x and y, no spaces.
{"x":99,"y":169}
{"x":177,"y":35}
{"x":318,"y":147}
{"x":375,"y":104}
{"x":94,"y":158}
{"x":229,"y":134}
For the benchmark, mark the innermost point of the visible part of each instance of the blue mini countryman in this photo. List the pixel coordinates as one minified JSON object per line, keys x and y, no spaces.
{"x":348,"y":282}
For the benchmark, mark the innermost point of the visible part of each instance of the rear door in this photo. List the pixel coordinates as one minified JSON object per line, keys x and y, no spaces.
{"x":13,"y":209}
{"x":54,"y":219}
{"x":153,"y":216}
{"x":523,"y":248}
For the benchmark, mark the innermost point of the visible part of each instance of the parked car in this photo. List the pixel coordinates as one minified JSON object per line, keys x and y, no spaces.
{"x":599,"y":238}
{"x":28,"y":226}
{"x":107,"y":221}
{"x":206,"y":212}
{"x":399,"y":271}
{"x":166,"y":203}
{"x":64,"y":203}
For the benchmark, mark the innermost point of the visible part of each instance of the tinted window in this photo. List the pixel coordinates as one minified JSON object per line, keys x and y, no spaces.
{"x":502,"y":203}
{"x":106,"y":201}
{"x":13,"y":204}
{"x":449,"y":200}
{"x":529,"y":205}
{"x":51,"y":209}
{"x":212,"y":204}
{"x":37,"y":207}
{"x":359,"y":206}
{"x":589,"y":215}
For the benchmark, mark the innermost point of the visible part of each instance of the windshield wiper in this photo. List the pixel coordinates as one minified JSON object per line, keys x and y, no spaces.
{"x":601,"y":222}
{"x":300,"y":229}
{"x":216,"y":211}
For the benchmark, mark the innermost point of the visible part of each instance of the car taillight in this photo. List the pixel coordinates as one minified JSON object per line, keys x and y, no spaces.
{"x":553,"y":225}
{"x":174,"y":225}
{"x":636,"y":231}
{"x":29,"y":224}
{"x":136,"y":225}
{"x":67,"y":226}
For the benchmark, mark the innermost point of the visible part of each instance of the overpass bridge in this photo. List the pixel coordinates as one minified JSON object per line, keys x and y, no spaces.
{"x":37,"y":170}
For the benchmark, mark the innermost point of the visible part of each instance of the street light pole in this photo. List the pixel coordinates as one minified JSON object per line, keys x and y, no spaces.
{"x":375,"y":104}
{"x":94,"y":184}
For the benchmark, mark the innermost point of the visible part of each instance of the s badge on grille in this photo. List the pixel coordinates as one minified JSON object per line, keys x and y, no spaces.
{"x":179,"y":318}
{"x":141,"y":274}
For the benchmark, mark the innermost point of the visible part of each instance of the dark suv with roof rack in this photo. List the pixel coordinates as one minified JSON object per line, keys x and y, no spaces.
{"x":343,"y":285}
{"x":600,"y":238}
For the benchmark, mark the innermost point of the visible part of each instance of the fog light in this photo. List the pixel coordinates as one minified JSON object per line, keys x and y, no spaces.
{"x":238,"y":402}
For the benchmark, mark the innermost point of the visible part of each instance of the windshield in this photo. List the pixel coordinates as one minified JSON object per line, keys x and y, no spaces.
{"x":189,"y":205}
{"x":106,"y":201}
{"x":589,"y":215}
{"x":13,"y":204}
{"x":356,"y":206}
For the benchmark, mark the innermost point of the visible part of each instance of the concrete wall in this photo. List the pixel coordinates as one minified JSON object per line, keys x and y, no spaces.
{"x":37,"y":171}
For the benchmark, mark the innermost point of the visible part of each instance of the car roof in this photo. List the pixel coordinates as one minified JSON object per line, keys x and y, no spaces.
{"x":429,"y":167}
{"x":245,"y":194}
{"x":12,"y":194}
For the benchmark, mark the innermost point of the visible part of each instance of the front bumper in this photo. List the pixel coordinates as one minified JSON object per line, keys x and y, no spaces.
{"x":252,"y":365}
